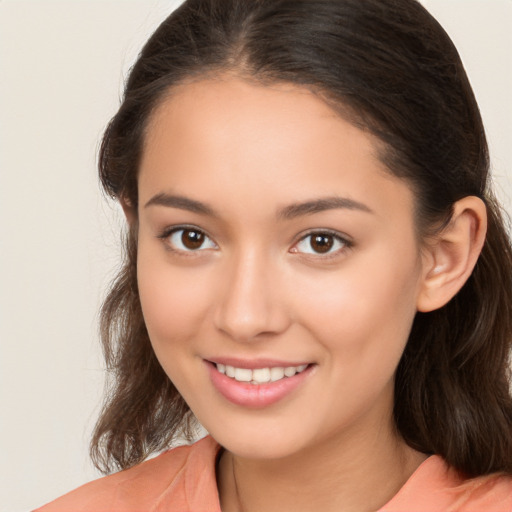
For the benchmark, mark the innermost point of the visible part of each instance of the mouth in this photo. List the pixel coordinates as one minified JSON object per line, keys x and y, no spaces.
{"x":259,"y":376}
{"x":263,"y":384}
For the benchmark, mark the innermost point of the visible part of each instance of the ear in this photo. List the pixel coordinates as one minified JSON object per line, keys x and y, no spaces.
{"x":129,"y":210}
{"x":449,"y":258}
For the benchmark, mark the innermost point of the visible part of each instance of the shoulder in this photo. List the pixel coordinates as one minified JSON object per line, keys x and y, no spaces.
{"x":179,"y":479}
{"x":437,"y":487}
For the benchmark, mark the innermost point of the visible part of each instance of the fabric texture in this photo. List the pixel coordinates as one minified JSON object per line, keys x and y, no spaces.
{"x":183,"y":480}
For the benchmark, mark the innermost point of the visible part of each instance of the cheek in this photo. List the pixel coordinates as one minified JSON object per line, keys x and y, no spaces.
{"x":173,"y":301}
{"x":364,"y":310}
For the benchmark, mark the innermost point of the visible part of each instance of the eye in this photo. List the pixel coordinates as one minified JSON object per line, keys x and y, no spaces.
{"x":188,"y":239}
{"x":321,"y":242}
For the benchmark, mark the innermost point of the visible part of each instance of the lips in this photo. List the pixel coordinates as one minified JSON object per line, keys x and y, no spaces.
{"x":260,"y":375}
{"x":260,"y":386}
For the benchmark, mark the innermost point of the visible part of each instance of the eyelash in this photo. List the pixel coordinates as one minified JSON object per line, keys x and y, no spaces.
{"x":336,"y":239}
{"x":168,"y":233}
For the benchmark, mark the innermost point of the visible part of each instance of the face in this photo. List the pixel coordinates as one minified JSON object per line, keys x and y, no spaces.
{"x":278,"y":265}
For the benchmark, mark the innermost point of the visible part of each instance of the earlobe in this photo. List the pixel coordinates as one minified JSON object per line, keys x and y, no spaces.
{"x":450,"y":257}
{"x":129,"y":210}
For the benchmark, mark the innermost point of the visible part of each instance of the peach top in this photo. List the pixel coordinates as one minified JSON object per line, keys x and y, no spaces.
{"x":183,"y":480}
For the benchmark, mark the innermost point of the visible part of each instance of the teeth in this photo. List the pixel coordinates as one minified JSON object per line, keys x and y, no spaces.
{"x":290,"y":371}
{"x":260,"y":375}
{"x":276,"y":374}
{"x":243,"y":374}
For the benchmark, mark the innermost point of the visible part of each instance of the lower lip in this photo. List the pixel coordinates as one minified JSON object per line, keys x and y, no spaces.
{"x":255,"y":396}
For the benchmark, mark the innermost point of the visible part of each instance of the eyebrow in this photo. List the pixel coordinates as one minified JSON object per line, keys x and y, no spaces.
{"x":181,"y":202}
{"x":287,"y":213}
{"x":320,"y":205}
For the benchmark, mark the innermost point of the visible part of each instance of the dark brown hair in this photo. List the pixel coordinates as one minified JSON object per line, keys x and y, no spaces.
{"x":390,"y":68}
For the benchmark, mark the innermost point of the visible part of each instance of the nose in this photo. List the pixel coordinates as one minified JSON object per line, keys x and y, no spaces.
{"x":250,"y":305}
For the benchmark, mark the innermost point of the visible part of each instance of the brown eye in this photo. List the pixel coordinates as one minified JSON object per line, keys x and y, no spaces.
{"x":192,"y":239}
{"x":321,"y":243}
{"x":188,"y":239}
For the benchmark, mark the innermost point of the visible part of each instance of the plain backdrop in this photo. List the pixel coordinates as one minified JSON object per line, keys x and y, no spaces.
{"x":62,"y":65}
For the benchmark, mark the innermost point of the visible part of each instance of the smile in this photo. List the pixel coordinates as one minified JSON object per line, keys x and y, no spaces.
{"x":259,"y":386}
{"x":260,"y":375}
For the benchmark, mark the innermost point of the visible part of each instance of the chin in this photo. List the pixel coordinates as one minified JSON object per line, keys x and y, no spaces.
{"x":264,"y":442}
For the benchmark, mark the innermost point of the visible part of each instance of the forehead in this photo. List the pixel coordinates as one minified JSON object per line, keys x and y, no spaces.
{"x":227,"y":111}
{"x":228,"y":138}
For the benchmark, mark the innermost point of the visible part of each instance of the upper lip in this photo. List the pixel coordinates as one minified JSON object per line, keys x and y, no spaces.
{"x":253,"y":364}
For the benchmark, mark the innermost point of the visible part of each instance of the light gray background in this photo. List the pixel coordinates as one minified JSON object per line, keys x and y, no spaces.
{"x":61,"y":69}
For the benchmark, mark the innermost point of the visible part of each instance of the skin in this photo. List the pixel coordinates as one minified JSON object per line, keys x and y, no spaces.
{"x":256,"y":288}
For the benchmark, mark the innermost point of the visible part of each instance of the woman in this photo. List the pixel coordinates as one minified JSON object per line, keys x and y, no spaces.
{"x":316,"y":269}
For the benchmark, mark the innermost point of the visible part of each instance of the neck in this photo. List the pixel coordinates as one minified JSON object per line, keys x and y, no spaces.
{"x":357,"y":476}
